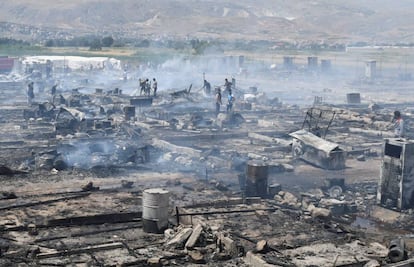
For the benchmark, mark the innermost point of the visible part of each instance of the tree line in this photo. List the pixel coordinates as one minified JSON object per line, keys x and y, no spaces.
{"x":94,"y":43}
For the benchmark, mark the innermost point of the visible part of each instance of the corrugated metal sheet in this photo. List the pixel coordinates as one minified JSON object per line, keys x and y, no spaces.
{"x":315,"y":141}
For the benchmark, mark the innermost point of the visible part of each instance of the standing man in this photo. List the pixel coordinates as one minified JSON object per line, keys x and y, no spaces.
{"x":207,"y":87}
{"x":227,"y":86}
{"x":218,"y":100}
{"x":147,"y":87}
{"x":142,"y":86}
{"x":230,"y":100}
{"x":30,"y":93}
{"x":154,"y":86}
{"x":53,"y":92}
{"x":398,"y":124}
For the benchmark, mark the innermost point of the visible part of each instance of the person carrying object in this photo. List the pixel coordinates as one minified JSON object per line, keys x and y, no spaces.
{"x":398,"y":124}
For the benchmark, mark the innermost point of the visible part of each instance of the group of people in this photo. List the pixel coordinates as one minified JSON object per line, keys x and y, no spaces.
{"x":218,"y":97}
{"x":31,"y":95}
{"x":397,"y":121}
{"x":145,"y":87}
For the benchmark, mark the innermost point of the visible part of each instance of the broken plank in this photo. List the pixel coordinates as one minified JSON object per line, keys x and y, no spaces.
{"x":31,"y":204}
{"x":224,"y":212}
{"x":85,"y":233}
{"x":162,"y":144}
{"x":224,"y":203}
{"x":87,"y":249}
{"x":268,"y":139}
{"x":406,"y":263}
{"x":368,"y":132}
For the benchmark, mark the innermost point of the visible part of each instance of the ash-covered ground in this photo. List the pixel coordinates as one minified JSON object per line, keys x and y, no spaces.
{"x":76,"y":166}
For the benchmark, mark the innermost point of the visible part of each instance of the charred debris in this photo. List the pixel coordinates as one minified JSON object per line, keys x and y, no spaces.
{"x":100,"y":177}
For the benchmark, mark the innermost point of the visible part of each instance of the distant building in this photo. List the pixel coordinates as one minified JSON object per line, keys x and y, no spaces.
{"x":6,"y":64}
{"x":370,"y":69}
{"x":69,"y":63}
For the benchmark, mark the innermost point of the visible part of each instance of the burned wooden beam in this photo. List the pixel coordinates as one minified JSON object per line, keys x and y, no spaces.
{"x":162,"y":144}
{"x":85,"y":233}
{"x":178,"y":214}
{"x":96,"y":219}
{"x":406,"y":263}
{"x":222,"y":203}
{"x":182,"y":93}
{"x":269,"y":139}
{"x":88,"y":249}
{"x":31,"y":204}
{"x":4,"y":170}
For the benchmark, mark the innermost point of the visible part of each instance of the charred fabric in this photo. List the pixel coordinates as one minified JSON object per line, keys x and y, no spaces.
{"x":104,"y":178}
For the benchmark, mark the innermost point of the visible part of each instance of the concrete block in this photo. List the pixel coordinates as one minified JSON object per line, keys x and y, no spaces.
{"x":180,"y":238}
{"x":195,"y":235}
{"x":229,"y":245}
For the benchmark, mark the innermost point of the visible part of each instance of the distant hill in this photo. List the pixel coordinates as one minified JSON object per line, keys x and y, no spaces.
{"x":342,"y":21}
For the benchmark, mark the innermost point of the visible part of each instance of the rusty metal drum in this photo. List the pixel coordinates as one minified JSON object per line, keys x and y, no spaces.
{"x":256,"y":179}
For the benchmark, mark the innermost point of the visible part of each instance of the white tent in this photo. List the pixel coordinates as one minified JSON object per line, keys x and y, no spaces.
{"x":75,"y":62}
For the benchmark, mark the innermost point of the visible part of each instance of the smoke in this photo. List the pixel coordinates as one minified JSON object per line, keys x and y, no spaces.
{"x":298,"y":84}
{"x":181,"y":72}
{"x":86,"y":154}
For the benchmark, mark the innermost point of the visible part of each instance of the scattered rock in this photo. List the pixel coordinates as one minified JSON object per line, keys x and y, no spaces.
{"x":361,"y":158}
{"x":154,"y":262}
{"x":372,"y":263}
{"x":288,"y":167}
{"x":90,"y":187}
{"x":126,"y":184}
{"x":261,"y":246}
{"x":8,"y":195}
{"x":169,"y":233}
{"x":32,"y":230}
{"x":318,"y":212}
{"x":196,"y":256}
{"x":289,"y":199}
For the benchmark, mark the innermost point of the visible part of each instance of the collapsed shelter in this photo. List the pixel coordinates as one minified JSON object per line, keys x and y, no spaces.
{"x":99,"y":176}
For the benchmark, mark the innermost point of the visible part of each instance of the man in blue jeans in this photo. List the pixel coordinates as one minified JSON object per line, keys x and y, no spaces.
{"x":230,"y":100}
